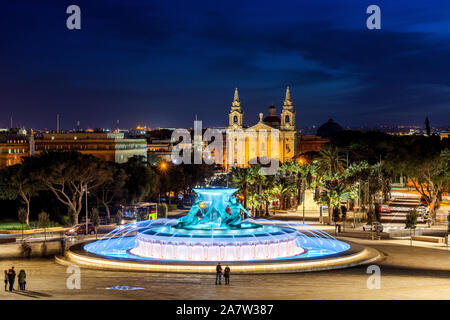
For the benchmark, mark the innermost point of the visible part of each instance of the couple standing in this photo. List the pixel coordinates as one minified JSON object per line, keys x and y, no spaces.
{"x":226,"y":274}
{"x":10,"y":277}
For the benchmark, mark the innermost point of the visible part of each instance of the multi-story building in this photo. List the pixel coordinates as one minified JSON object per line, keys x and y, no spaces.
{"x":445,"y":133}
{"x":104,"y":145}
{"x":283,"y":126}
{"x":310,"y":143}
{"x":13,"y":146}
{"x":159,"y":145}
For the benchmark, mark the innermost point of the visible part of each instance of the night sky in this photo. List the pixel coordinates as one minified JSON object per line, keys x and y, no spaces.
{"x":160,"y":63}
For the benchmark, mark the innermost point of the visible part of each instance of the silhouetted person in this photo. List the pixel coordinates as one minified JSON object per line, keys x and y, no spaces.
{"x":11,"y":278}
{"x":219,"y":273}
{"x":226,"y":275}
{"x":21,"y":278}
{"x":6,"y":280}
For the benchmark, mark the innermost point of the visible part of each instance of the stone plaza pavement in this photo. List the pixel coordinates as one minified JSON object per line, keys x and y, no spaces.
{"x":406,"y":273}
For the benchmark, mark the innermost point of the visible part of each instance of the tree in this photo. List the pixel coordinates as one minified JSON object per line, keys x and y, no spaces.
{"x":427,"y":126}
{"x":426,"y":162}
{"x":141,"y":180}
{"x":373,"y":180}
{"x":267,"y":198}
{"x":112,"y":188}
{"x":282,"y":189}
{"x":363,"y":146}
{"x":67,"y":174}
{"x":119,"y":216}
{"x":329,"y":161}
{"x":242,"y":177}
{"x":257,"y":181}
{"x":18,"y":181}
{"x":411,"y":222}
{"x":43,"y":222}
{"x":22,"y":215}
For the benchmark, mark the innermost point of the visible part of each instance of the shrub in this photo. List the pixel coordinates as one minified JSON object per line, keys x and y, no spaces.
{"x":95,"y":218}
{"x":119,"y":216}
{"x":65,"y":221}
{"x":172,"y":207}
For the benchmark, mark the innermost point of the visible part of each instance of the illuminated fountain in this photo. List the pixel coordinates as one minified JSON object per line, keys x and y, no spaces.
{"x":216,"y":229}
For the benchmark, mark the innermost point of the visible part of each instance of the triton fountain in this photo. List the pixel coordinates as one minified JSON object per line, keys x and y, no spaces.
{"x":217,"y":228}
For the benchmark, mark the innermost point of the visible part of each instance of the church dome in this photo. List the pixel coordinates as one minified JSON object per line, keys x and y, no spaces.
{"x":272,"y":118}
{"x":329,"y":128}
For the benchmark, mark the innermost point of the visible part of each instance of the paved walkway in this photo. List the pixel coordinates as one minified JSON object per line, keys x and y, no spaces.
{"x":406,"y":273}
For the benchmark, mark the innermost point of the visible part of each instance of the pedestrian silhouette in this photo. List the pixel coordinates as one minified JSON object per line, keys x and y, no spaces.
{"x":226,"y":275}
{"x":6,"y":280}
{"x":21,"y":278}
{"x":11,"y":278}
{"x":219,"y":273}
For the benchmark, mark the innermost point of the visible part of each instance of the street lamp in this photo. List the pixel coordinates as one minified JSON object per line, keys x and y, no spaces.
{"x":162,"y":166}
{"x":303,"y":200}
{"x":86,"y":190}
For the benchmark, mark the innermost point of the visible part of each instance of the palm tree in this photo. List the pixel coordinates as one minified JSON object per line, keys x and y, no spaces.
{"x":281,"y":190}
{"x":242,"y":177}
{"x":333,"y":194}
{"x":257,"y":182}
{"x":254,"y":200}
{"x":330,"y":161}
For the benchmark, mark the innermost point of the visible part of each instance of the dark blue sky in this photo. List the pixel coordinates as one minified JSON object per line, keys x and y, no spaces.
{"x":159,"y":63}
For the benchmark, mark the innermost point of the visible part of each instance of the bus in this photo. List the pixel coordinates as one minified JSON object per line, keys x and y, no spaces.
{"x":139,"y":212}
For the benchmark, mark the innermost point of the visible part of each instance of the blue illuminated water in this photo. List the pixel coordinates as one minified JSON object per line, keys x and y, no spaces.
{"x":215,"y":230}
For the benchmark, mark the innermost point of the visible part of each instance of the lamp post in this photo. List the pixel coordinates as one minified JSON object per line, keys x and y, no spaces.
{"x":162,"y":167}
{"x":303,"y":200}
{"x":359,"y":205}
{"x":86,"y":189}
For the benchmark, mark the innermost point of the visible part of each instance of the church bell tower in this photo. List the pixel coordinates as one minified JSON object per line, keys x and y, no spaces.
{"x":288,"y":113}
{"x":236,"y":115}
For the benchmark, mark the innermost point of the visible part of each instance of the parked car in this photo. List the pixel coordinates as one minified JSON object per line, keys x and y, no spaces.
{"x":81,"y":229}
{"x":422,"y":218}
{"x":424,"y":202}
{"x":384,"y":208}
{"x":375,"y":226}
{"x":422,"y":209}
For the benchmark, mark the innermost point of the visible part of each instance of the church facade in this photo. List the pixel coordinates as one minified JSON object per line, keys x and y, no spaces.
{"x":281,"y":127}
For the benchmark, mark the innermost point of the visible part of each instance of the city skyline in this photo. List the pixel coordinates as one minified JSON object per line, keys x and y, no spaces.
{"x":154,"y":64}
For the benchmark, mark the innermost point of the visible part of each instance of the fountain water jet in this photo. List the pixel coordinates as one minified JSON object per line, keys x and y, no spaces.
{"x":216,"y":229}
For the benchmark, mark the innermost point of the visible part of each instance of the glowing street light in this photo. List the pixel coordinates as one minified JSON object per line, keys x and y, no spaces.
{"x":163,"y":166}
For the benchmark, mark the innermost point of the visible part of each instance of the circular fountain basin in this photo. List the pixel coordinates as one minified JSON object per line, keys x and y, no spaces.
{"x":251,"y":242}
{"x":316,"y":251}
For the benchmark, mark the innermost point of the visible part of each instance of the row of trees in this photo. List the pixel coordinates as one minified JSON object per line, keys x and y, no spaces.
{"x":353,"y":167}
{"x":328,"y":175}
